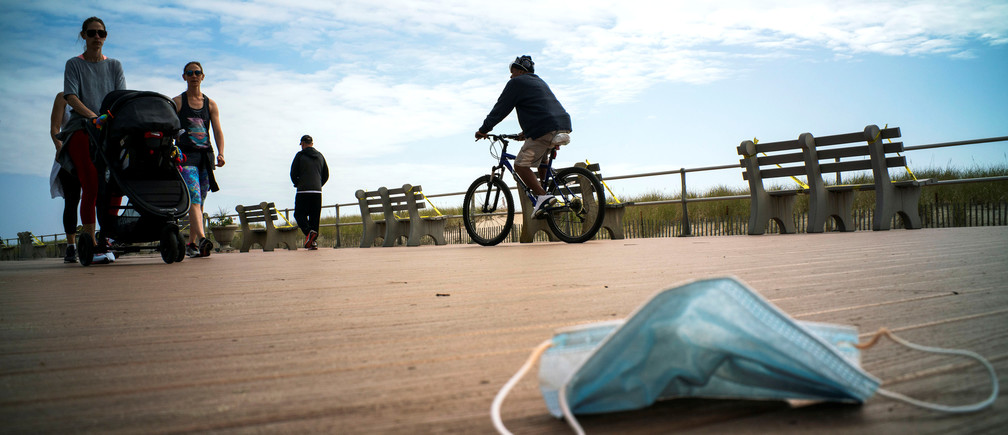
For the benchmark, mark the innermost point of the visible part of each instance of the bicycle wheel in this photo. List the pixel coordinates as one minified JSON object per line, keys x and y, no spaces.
{"x":488,"y":210}
{"x":580,"y":207}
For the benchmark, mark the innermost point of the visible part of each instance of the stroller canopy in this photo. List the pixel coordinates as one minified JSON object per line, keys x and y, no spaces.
{"x":135,"y":111}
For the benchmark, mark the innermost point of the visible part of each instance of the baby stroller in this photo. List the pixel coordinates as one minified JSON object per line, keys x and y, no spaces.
{"x":135,"y":155}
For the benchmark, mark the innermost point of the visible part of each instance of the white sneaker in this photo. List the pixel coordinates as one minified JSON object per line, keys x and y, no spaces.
{"x":542,"y":201}
{"x":103,"y":258}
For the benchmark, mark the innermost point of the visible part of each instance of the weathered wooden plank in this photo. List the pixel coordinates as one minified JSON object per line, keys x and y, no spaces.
{"x":358,"y":340}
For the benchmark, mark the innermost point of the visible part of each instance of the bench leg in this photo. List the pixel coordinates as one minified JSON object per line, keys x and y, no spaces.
{"x":395,"y":231}
{"x":841,"y":209}
{"x":418,"y":230}
{"x":613,"y":222}
{"x":532,"y":226}
{"x":292,"y":238}
{"x":897,"y":201}
{"x":909,"y":200}
{"x":778,"y":208}
{"x":368,"y":235}
{"x":757,"y":223}
{"x":269,"y":244}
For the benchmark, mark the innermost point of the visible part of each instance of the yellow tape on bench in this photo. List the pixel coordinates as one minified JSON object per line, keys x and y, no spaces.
{"x":428,"y":201}
{"x":611,"y":194}
{"x":800,"y":183}
{"x":907,"y":167}
{"x":289,"y":224}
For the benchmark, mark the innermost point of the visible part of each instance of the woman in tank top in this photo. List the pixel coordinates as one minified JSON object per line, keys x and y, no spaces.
{"x":198,"y":114}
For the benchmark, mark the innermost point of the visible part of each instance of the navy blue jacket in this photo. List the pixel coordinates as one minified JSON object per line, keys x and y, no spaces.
{"x":539,"y":112}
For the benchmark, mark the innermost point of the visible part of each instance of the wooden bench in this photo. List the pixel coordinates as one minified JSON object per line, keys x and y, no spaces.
{"x":414,"y":227}
{"x":767,"y":160}
{"x":271,"y":236}
{"x":826,"y":202}
{"x":613,"y":218}
{"x":370,"y":203}
{"x":8,"y":252}
{"x":875,"y":152}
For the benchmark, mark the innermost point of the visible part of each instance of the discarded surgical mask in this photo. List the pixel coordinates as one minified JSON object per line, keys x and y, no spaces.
{"x":714,"y":338}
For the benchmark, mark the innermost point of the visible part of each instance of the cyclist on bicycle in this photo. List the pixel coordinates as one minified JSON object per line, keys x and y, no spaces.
{"x":544,"y":122}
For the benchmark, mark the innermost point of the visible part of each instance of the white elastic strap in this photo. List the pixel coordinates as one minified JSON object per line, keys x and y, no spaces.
{"x":935,"y":406}
{"x":499,"y":399}
{"x":568,"y":415}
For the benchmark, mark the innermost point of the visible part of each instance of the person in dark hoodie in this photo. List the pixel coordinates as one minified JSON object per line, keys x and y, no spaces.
{"x":309,"y":172}
{"x":544,"y":122}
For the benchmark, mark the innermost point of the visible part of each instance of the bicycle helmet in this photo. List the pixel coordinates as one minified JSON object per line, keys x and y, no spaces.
{"x":523,"y":63}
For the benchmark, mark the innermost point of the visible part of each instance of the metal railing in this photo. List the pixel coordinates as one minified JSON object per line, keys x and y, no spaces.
{"x":684,"y":200}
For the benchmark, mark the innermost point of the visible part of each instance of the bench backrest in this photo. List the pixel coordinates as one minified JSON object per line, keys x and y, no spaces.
{"x":396,"y":199}
{"x":770,"y":160}
{"x":370,"y":202}
{"x":407,"y":198}
{"x":265,"y":212}
{"x":874,"y":152}
{"x":813,"y":156}
{"x":759,"y":163}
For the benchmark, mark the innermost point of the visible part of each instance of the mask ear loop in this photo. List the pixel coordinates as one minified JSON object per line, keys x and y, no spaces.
{"x":499,"y":399}
{"x":568,"y":415}
{"x":928,"y":405}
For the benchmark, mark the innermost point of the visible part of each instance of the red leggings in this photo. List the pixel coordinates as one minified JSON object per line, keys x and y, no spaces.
{"x":78,"y":147}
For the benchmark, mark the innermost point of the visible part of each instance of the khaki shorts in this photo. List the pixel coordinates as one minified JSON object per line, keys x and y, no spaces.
{"x":535,"y":151}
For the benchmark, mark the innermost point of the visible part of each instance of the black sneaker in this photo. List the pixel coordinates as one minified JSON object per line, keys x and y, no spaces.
{"x":71,"y":254}
{"x":192,"y":251}
{"x":309,"y":241}
{"x":205,"y":247}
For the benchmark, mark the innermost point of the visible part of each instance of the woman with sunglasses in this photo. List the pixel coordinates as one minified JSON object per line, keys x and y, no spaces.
{"x":198,"y":114}
{"x":86,"y":80}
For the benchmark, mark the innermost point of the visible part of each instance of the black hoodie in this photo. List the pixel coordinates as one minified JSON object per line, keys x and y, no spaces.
{"x":309,"y":170}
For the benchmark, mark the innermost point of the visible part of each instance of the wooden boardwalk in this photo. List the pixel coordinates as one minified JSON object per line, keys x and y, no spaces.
{"x":419,"y":340}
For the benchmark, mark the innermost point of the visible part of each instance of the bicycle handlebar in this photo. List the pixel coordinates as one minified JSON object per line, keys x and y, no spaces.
{"x":497,"y":137}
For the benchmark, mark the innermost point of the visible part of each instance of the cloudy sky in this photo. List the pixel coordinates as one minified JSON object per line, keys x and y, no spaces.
{"x":392,"y":91}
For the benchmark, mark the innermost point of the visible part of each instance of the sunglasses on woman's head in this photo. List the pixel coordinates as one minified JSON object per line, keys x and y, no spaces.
{"x":194,"y":72}
{"x":92,"y":32}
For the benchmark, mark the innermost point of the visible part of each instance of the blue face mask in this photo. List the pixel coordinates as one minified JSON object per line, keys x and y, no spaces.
{"x":713,"y":338}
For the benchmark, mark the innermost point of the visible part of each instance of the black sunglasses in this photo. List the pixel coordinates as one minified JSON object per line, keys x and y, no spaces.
{"x":92,"y":32}
{"x":194,"y":72}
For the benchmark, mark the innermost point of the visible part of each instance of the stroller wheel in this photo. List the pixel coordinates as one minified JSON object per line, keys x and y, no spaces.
{"x":181,"y":246}
{"x":85,"y":249}
{"x":169,"y":245}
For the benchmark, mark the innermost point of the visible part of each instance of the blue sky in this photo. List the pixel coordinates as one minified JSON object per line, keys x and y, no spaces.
{"x":392,"y":91}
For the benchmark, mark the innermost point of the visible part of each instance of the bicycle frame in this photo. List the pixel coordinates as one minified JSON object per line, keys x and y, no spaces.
{"x":505,"y":163}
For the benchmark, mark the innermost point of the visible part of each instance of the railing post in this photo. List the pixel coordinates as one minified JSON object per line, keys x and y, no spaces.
{"x":337,"y":245}
{"x":686,"y":231}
